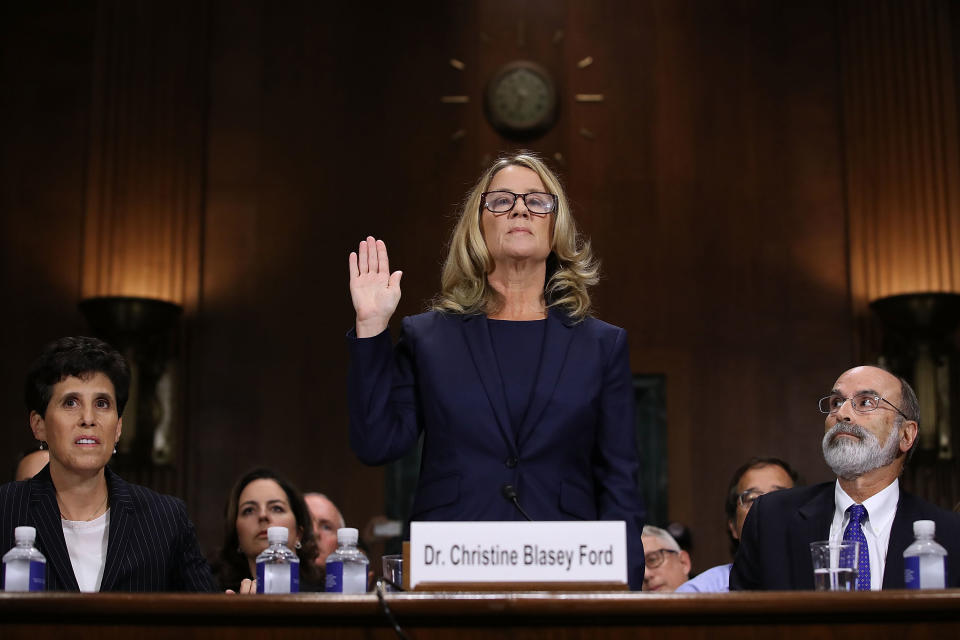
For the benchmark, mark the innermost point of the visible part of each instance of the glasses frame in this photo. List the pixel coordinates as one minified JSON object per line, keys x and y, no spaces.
{"x":523,"y":196}
{"x":659,"y":554}
{"x":875,"y":397}
{"x":743,"y":494}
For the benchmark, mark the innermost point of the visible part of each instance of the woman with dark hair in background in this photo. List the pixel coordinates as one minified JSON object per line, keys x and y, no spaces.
{"x":524,"y":400}
{"x":261,"y":499}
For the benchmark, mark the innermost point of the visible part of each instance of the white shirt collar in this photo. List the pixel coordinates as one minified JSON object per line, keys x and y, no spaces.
{"x":881,"y":507}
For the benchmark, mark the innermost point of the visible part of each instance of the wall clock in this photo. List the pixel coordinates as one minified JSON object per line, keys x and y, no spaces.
{"x":520,"y":100}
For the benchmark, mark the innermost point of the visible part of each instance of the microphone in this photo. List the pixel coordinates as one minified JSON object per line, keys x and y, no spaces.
{"x":511,"y":495}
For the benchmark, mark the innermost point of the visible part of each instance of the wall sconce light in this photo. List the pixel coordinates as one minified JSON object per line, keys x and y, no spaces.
{"x":918,"y":344}
{"x":143,"y":330}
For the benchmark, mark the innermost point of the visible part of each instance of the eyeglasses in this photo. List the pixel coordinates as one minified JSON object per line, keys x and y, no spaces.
{"x":654,"y":559}
{"x":503,"y":201}
{"x":861,"y":403}
{"x":748,"y":497}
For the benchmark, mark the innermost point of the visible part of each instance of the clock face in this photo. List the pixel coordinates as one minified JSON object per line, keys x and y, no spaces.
{"x":521,"y":99}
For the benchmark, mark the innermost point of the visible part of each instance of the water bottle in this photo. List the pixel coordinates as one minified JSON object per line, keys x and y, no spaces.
{"x":925,"y":561}
{"x":278,"y":568}
{"x":24,"y":567}
{"x":347,"y":566}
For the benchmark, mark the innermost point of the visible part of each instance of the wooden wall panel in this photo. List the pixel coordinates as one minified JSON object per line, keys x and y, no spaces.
{"x":46,"y":58}
{"x":715,"y":168}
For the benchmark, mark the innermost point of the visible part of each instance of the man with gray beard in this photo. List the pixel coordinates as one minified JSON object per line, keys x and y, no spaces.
{"x":870,"y":429}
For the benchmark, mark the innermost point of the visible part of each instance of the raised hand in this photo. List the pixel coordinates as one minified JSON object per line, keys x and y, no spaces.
{"x":374,"y":290}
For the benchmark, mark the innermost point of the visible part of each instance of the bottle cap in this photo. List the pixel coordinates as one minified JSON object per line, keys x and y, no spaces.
{"x":277,"y":534}
{"x":347,"y":535}
{"x":25,"y":534}
{"x":924,"y":528}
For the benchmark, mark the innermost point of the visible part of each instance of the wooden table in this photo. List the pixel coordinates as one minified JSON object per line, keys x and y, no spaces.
{"x":904,"y":615}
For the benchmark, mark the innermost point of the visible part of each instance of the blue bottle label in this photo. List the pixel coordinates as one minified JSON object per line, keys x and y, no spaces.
{"x":261,"y":576}
{"x":921,"y":572}
{"x":911,"y":572}
{"x":334,"y":577}
{"x":38,"y":576}
{"x":294,"y":577}
{"x":267,"y":576}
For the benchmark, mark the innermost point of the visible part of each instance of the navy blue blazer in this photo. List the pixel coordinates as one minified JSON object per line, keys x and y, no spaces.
{"x":774,"y":552}
{"x":573,"y":458}
{"x":151,"y":544}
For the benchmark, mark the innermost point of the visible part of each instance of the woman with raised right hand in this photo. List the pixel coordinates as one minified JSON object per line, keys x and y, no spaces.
{"x":509,"y":378}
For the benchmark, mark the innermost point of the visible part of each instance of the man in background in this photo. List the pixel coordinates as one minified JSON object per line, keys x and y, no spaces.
{"x":326,"y":519}
{"x":31,"y":463}
{"x":667,"y":565}
{"x":871,"y":423}
{"x":754,"y":478}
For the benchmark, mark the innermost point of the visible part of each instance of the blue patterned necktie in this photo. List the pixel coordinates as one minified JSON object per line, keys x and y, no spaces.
{"x":854,"y":533}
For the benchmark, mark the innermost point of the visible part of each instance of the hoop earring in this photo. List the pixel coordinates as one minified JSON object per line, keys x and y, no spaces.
{"x":298,"y":545}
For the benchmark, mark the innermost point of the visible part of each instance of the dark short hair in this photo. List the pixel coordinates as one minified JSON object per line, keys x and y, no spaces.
{"x":910,"y":407}
{"x":752,"y":463}
{"x":78,"y":357}
{"x":232,"y":566}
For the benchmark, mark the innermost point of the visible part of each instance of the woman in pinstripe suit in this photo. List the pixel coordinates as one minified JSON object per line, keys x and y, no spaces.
{"x":98,"y":532}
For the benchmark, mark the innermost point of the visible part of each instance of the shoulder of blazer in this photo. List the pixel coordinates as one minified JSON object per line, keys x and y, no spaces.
{"x":915,"y":508}
{"x":807,"y":501}
{"x":137,"y":498}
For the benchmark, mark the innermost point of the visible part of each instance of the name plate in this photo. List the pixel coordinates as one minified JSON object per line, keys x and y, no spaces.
{"x":518,"y":552}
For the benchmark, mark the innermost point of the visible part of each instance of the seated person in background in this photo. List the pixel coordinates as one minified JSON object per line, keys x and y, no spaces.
{"x":871,"y":422}
{"x":261,"y":499}
{"x":757,"y":477}
{"x":97,"y":532}
{"x":31,"y":463}
{"x":668,"y":566}
{"x":684,"y":537}
{"x":326,"y":519}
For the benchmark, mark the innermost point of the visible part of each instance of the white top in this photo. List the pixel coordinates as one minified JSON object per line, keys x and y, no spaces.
{"x":87,"y":546}
{"x":881,"y":508}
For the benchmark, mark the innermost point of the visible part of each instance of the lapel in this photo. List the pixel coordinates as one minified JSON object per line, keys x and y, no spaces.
{"x":812,"y":524}
{"x":46,"y":518}
{"x":121,"y":519}
{"x":556,"y":341}
{"x":477,"y":337}
{"x":901,"y":536}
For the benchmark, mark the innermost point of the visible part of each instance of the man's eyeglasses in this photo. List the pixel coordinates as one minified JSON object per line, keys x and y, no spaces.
{"x":861,"y":403}
{"x":654,"y":559}
{"x":747,"y":498}
{"x":503,"y":201}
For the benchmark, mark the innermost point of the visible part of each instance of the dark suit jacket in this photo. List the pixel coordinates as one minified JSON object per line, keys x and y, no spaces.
{"x":774,"y":551}
{"x":151,"y":544}
{"x":573,"y":458}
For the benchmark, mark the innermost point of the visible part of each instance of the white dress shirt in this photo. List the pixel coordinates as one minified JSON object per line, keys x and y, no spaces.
{"x":881,"y":508}
{"x":87,"y":546}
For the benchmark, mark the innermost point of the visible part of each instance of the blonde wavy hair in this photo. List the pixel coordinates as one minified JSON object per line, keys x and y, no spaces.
{"x":571,"y":267}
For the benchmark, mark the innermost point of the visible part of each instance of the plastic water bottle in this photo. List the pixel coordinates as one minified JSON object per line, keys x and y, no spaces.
{"x":347,"y":566}
{"x":925,"y":561}
{"x":278,"y":568}
{"x":24,"y":567}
